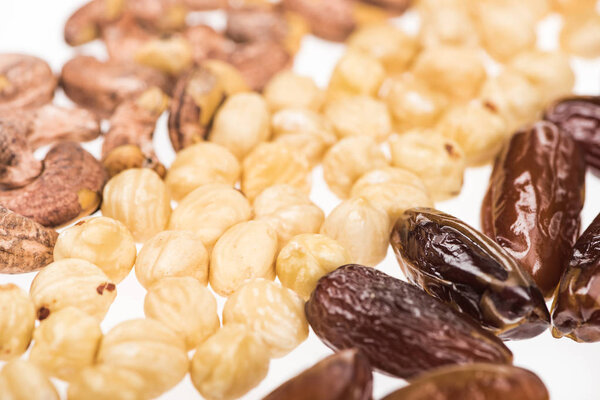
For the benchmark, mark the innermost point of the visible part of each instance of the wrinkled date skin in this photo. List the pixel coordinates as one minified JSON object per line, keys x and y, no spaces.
{"x":475,"y":382}
{"x":345,"y":375}
{"x":534,"y":199}
{"x":580,"y":117}
{"x":576,"y":309}
{"x":401,"y":329}
{"x":25,"y":81}
{"x":467,"y":270}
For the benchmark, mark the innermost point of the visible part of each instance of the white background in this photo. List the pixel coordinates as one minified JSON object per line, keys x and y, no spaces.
{"x":570,"y":370}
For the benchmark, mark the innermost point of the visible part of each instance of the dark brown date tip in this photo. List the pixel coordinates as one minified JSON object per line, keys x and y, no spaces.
{"x":345,"y":375}
{"x":401,"y":329}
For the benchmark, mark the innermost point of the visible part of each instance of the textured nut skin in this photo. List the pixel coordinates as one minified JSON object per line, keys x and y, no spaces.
{"x":103,"y":241}
{"x":185,"y":306}
{"x":348,"y":160}
{"x":271,"y":164}
{"x":245,"y":251}
{"x":333,"y":20}
{"x":345,"y":375}
{"x":275,"y":314}
{"x":259,"y":61}
{"x":472,"y":382}
{"x":361,"y":228}
{"x":105,"y":381}
{"x":27,"y":246}
{"x":72,"y":282}
{"x":359,"y":115}
{"x":23,"y":380}
{"x":155,"y":260}
{"x":241,"y":123}
{"x":290,"y":90}
{"x":201,"y":164}
{"x":27,"y":81}
{"x":467,"y":270}
{"x":17,"y":320}
{"x":85,"y":24}
{"x":210,"y":210}
{"x":357,"y":73}
{"x":18,"y":166}
{"x":289,"y":211}
{"x":229,"y":363}
{"x":575,"y":312}
{"x":393,"y":190}
{"x":533,"y":202}
{"x":305,"y":259}
{"x":149,"y":348}
{"x":66,"y":342}
{"x":140,"y":200}
{"x":438,"y":161}
{"x":401,"y":330}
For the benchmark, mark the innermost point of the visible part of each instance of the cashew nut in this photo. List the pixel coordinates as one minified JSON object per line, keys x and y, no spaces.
{"x":25,"y":81}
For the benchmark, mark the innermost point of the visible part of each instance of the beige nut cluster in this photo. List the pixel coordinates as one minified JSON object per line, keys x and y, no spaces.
{"x":359,"y":116}
{"x":17,"y":320}
{"x":357,"y":73}
{"x":290,"y":90}
{"x":105,"y":381}
{"x":23,"y":380}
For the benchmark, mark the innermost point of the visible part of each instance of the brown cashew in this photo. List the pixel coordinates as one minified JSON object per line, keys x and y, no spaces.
{"x":102,"y":86}
{"x":207,"y":44}
{"x":256,"y":24}
{"x":85,"y":24}
{"x":124,"y":38}
{"x":392,"y":5}
{"x":203,"y":5}
{"x":258,"y":62}
{"x":18,"y":167}
{"x":330,"y":20}
{"x":128,"y":143}
{"x":25,"y":245}
{"x":25,"y":81}
{"x":159,"y":15}
{"x":69,"y":187}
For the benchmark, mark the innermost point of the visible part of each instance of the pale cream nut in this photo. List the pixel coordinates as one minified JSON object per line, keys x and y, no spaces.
{"x":290,"y":90}
{"x":357,"y":72}
{"x":17,"y":320}
{"x":359,"y":116}
{"x":105,"y":381}
{"x":23,"y":380}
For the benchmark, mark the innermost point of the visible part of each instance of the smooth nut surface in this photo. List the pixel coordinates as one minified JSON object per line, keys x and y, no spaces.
{"x":229,"y":363}
{"x":210,"y":210}
{"x":72,"y":282}
{"x":66,"y":342}
{"x":246,"y":251}
{"x":149,"y":348}
{"x":105,"y":242}
{"x":172,"y":254}
{"x":359,"y":115}
{"x":105,"y":381}
{"x":290,"y":90}
{"x":140,"y":200}
{"x":201,"y":164}
{"x":305,"y":259}
{"x":357,"y":72}
{"x":17,"y":319}
{"x":361,"y":228}
{"x":185,"y":306}
{"x":23,"y":380}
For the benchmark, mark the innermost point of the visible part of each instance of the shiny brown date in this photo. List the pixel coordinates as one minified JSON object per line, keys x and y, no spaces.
{"x":467,"y":270}
{"x":401,"y":329}
{"x":25,"y":81}
{"x":343,"y":376}
{"x":580,"y":117}
{"x":576,"y":309}
{"x":475,"y":382}
{"x":534,"y":199}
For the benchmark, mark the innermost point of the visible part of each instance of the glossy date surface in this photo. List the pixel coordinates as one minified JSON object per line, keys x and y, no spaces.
{"x":467,"y":270}
{"x":534,"y":199}
{"x":400,"y":329}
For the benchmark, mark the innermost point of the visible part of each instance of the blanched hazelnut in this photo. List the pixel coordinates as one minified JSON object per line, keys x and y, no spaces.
{"x":148,"y":348}
{"x":17,"y":319}
{"x":348,"y":160}
{"x":66,"y":342}
{"x":105,"y":381}
{"x":359,"y":116}
{"x":229,"y":363}
{"x":357,"y":72}
{"x":105,"y":242}
{"x":229,"y":76}
{"x":172,"y":254}
{"x":361,"y":228}
{"x":242,"y":123}
{"x":210,"y":210}
{"x":581,"y":35}
{"x":574,"y":6}
{"x":289,"y":211}
{"x":200,"y":164}
{"x":437,"y":160}
{"x":447,"y":24}
{"x":290,"y":90}
{"x":185,"y":306}
{"x":271,"y":164}
{"x":72,"y":282}
{"x":305,"y":259}
{"x":140,"y":200}
{"x":23,"y":380}
{"x":275,"y":314}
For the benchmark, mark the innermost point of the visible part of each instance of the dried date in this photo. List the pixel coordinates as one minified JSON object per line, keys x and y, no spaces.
{"x":467,"y":270}
{"x":401,"y":329}
{"x":345,"y":375}
{"x":25,"y":81}
{"x":534,"y":199}
{"x":475,"y":382}
{"x":576,"y":310}
{"x":580,"y":117}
